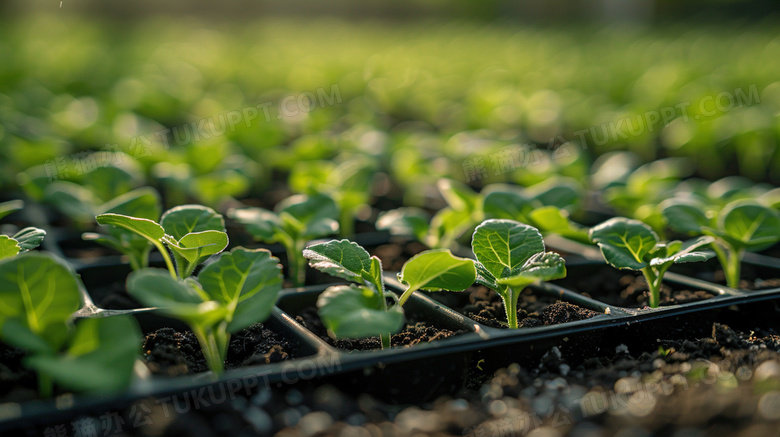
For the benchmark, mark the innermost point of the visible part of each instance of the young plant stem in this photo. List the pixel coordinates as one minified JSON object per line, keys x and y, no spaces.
{"x":379,"y":285}
{"x":296,"y":262}
{"x":653,"y":285}
{"x":210,"y":348}
{"x":164,"y":252}
{"x":729,"y":260}
{"x":510,"y":305}
{"x":135,"y":263}
{"x":140,"y":260}
{"x":405,"y":296}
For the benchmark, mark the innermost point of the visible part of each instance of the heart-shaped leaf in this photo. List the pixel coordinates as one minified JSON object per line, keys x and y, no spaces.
{"x":504,"y":246}
{"x":261,"y":223}
{"x":510,"y":205}
{"x":177,"y":298}
{"x":317,"y":214}
{"x":540,"y":267}
{"x":141,"y":203}
{"x":196,"y":247}
{"x":687,"y":252}
{"x":749,"y":225}
{"x":246,"y":280}
{"x":340,"y":258}
{"x":38,"y":292}
{"x":624,"y":242}
{"x":144,"y":227}
{"x":407,"y":221}
{"x":438,"y":269}
{"x":685,"y":215}
{"x":185,"y":219}
{"x":356,"y":312}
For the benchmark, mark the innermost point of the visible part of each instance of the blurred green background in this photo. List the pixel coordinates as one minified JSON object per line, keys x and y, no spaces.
{"x":422,"y":85}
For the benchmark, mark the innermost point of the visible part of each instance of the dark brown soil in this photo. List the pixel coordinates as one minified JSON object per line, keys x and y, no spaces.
{"x":414,"y":332}
{"x":722,"y":384}
{"x":173,"y":353}
{"x":486,"y":307}
{"x":628,"y":290}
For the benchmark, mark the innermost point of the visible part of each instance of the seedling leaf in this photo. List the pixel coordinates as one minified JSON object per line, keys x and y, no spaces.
{"x":29,"y":238}
{"x":39,"y":293}
{"x":246,"y":280}
{"x":144,"y":227}
{"x":687,"y":252}
{"x":436,"y":270}
{"x":8,"y":247}
{"x":405,"y":221}
{"x":503,"y":246}
{"x":185,"y":219}
{"x":10,"y":207}
{"x":749,"y":225}
{"x":351,"y":311}
{"x":340,"y":258}
{"x":624,"y":242}
{"x":544,"y":266}
{"x":684,"y":215}
{"x":100,"y":359}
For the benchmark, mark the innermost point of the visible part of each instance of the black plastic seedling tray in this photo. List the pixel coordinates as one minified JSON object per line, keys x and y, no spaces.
{"x":404,"y":374}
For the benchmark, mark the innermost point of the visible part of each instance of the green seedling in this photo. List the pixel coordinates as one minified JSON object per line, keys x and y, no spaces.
{"x":141,"y":203}
{"x":210,"y":172}
{"x":361,"y":310}
{"x":235,"y":291}
{"x":739,"y":226}
{"x":82,"y":192}
{"x":640,"y":193}
{"x":348,"y":183}
{"x":39,"y":294}
{"x":22,"y":241}
{"x":193,"y":233}
{"x":545,"y":207}
{"x":10,"y":207}
{"x":462,"y":213}
{"x":296,"y":221}
{"x":633,"y":245}
{"x":511,"y":256}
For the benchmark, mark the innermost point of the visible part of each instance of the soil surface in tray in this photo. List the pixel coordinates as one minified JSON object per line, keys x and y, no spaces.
{"x":172,"y":353}
{"x":618,"y":288}
{"x":414,"y":332}
{"x":726,"y":383}
{"x":485,"y":306}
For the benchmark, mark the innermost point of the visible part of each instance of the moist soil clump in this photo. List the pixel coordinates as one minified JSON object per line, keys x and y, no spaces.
{"x":486,"y":307}
{"x":617,"y":288}
{"x":414,"y":332}
{"x":173,"y":353}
